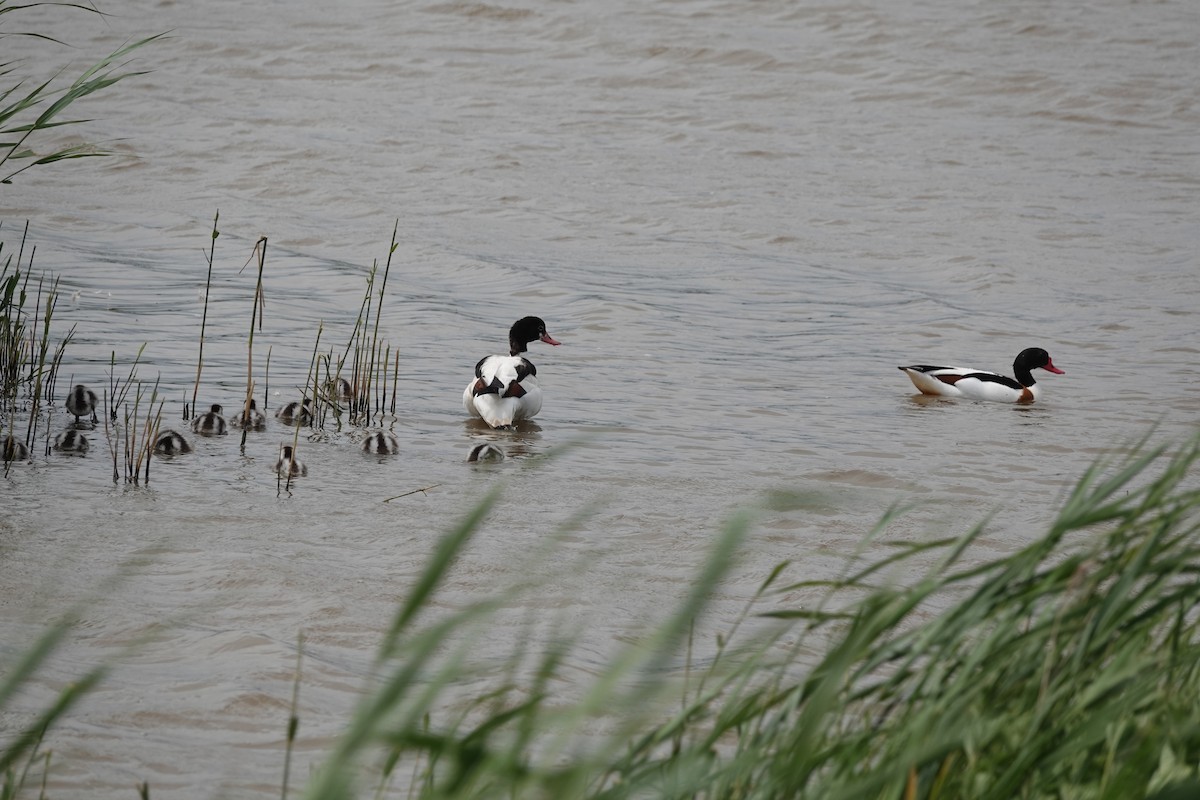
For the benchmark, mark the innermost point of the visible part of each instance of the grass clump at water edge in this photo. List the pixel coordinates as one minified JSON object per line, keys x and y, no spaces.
{"x":1067,"y":669}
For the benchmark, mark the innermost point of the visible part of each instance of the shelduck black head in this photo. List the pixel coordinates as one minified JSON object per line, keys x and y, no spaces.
{"x":526,"y":330}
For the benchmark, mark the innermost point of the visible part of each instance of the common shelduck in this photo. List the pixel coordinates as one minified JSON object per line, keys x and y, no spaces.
{"x":979,"y":385}
{"x":210,"y":423}
{"x":288,"y":465}
{"x":250,"y":418}
{"x":505,"y":388}
{"x":81,"y":402}
{"x":339,"y":388}
{"x":296,"y":413}
{"x":381,"y":443}
{"x":71,"y":441}
{"x":170,"y":443}
{"x":483,"y":453}
{"x":13,"y":449}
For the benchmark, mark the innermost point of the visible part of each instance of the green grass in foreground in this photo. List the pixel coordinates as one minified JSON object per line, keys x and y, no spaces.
{"x":1067,"y":669}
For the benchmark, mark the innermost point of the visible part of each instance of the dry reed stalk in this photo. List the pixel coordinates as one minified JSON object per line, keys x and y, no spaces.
{"x":204,"y":315}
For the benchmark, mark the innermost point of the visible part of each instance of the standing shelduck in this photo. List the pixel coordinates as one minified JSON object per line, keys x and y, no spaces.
{"x":979,"y":385}
{"x":505,"y":389}
{"x":81,"y":402}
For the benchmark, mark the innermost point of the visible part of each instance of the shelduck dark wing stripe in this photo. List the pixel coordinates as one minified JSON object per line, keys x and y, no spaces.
{"x":486,"y":388}
{"x":515,"y":389}
{"x":525,"y":368}
{"x":479,"y":367}
{"x":950,"y":378}
{"x":994,"y":378}
{"x":924,"y":368}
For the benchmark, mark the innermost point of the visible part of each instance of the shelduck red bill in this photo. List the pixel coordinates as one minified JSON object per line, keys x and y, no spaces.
{"x":545,"y":337}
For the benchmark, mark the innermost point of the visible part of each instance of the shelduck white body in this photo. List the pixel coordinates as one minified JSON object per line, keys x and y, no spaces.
{"x":978,"y":384}
{"x":505,"y":388}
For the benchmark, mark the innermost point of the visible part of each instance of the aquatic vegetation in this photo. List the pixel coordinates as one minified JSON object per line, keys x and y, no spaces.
{"x":40,"y":108}
{"x":1066,"y":668}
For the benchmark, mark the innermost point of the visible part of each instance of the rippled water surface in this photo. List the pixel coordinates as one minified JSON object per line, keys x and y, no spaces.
{"x":738,"y":218}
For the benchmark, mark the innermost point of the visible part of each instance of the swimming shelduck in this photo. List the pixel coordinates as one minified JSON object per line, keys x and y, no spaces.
{"x":484,"y":453}
{"x":296,"y":413}
{"x":979,"y":385}
{"x":81,"y":402}
{"x":250,"y":418}
{"x":71,"y":442}
{"x":170,"y":443}
{"x":13,"y":449}
{"x":381,"y":443}
{"x":288,"y":465}
{"x":210,"y":423}
{"x":505,"y":389}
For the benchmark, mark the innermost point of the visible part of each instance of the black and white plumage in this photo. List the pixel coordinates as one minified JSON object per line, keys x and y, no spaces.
{"x":341,"y":391}
{"x":381,"y":443}
{"x":288,"y":465}
{"x":249,"y":418}
{"x":71,"y":441}
{"x":296,"y":413}
{"x":980,"y":385}
{"x":210,"y":423}
{"x":171,"y":443}
{"x":484,"y":453}
{"x":13,"y":449}
{"x":505,"y":388}
{"x":82,"y":402}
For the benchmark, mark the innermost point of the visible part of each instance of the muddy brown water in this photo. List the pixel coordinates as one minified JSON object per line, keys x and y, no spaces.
{"x":737,"y":217}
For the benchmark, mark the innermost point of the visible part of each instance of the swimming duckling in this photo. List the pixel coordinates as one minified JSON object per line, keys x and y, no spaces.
{"x":71,"y":442}
{"x":13,"y":449}
{"x":381,"y":443}
{"x":171,"y":443}
{"x":484,"y":453}
{"x":210,"y":423}
{"x":251,"y":418}
{"x":340,"y":389}
{"x":81,"y":402}
{"x":288,"y":465}
{"x":296,"y":413}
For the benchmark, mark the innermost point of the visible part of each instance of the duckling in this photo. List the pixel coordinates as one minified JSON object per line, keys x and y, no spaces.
{"x":13,"y":449}
{"x":71,"y":442}
{"x":81,"y":402}
{"x":251,"y":418}
{"x":171,"y":443}
{"x":341,"y":391}
{"x":288,"y":465}
{"x":210,"y":423}
{"x":484,"y":453}
{"x":296,"y":413}
{"x":381,"y":443}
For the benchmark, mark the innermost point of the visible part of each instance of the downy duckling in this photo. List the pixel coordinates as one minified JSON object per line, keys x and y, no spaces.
{"x":81,"y":402}
{"x":484,"y":453}
{"x":340,"y":389}
{"x":171,"y":443}
{"x":210,"y":423}
{"x":288,"y":465}
{"x":296,"y":413}
{"x":381,"y":443}
{"x":251,"y":418}
{"x":71,"y":442}
{"x":13,"y":449}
